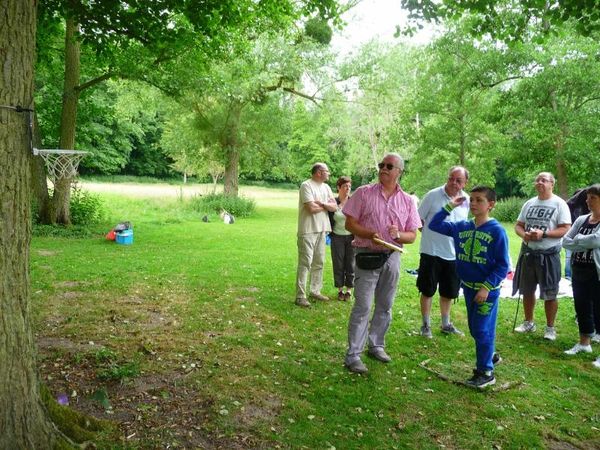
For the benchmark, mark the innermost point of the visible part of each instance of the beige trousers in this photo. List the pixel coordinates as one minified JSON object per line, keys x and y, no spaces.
{"x":311,"y":255}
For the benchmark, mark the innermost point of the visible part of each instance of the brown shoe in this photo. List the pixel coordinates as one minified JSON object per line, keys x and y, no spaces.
{"x":302,"y":302}
{"x":341,"y":296}
{"x":347,"y":296}
{"x":319,"y":296}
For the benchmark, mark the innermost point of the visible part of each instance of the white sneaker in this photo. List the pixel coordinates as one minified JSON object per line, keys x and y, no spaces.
{"x":526,"y":327}
{"x":597,"y":363}
{"x":550,"y":334}
{"x":596,"y":338}
{"x":577,"y":348}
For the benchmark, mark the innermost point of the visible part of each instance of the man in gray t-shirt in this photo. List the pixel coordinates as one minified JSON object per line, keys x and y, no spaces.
{"x":542,"y":223}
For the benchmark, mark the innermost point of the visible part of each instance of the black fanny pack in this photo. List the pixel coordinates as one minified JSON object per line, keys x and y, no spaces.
{"x":371,"y":261}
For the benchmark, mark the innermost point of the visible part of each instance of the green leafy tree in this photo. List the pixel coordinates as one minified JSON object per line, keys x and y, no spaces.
{"x":457,"y":94}
{"x":183,"y":142}
{"x":241,"y":106}
{"x":134,"y":38}
{"x":379,"y":83}
{"x":509,"y":20}
{"x":551,"y":114}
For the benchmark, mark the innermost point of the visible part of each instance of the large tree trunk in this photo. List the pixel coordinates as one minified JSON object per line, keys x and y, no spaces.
{"x":232,"y":172}
{"x":45,"y":214}
{"x":232,"y":152}
{"x":68,"y":118}
{"x":23,"y":420}
{"x":61,"y":200}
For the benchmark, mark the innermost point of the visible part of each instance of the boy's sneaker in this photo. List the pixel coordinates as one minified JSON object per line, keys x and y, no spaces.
{"x":526,"y":327}
{"x":578,"y":348}
{"x":451,"y":329}
{"x":597,"y":363}
{"x":550,"y":334}
{"x":596,"y":338}
{"x":496,"y":359}
{"x":481,"y":379}
{"x":426,"y":332}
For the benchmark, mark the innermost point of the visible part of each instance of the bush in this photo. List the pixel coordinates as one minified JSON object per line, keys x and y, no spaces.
{"x":214,"y":203}
{"x":86,"y":208}
{"x":508,"y":209}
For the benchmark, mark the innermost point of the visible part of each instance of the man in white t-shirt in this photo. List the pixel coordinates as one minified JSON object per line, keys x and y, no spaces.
{"x":437,"y":265}
{"x":315,"y":200}
{"x":542,"y":223}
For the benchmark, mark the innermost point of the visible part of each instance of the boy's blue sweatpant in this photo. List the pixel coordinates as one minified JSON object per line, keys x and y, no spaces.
{"x":482,"y":325}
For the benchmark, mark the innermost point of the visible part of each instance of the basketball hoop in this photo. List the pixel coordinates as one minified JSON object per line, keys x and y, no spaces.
{"x":61,"y":164}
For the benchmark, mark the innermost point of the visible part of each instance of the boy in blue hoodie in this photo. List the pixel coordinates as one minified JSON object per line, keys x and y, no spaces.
{"x":482,"y":263}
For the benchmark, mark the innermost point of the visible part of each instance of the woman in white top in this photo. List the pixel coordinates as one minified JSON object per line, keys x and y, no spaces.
{"x":342,"y":253}
{"x":583,"y":239}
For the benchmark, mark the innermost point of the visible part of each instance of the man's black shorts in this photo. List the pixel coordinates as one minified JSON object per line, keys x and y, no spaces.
{"x":434,"y":270}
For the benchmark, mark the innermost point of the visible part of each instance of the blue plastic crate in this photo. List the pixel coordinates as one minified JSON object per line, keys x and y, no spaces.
{"x":124,"y":237}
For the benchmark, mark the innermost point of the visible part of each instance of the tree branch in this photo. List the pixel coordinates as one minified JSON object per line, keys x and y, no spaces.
{"x":312,"y":98}
{"x":95,"y":81}
{"x":587,"y":100}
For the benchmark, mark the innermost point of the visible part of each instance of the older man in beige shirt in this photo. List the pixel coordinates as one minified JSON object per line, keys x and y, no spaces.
{"x":315,"y":200}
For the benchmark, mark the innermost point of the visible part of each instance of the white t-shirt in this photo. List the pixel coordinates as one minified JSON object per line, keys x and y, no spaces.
{"x":544,"y":215}
{"x":436,"y":244}
{"x":311,"y":191}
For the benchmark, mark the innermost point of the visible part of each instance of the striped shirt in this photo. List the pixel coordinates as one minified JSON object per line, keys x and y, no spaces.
{"x":373,"y":211}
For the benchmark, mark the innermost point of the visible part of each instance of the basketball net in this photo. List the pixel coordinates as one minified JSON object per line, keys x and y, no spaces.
{"x":60,"y":164}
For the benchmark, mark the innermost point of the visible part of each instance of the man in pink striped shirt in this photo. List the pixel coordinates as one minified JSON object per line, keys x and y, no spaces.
{"x":382,"y":210}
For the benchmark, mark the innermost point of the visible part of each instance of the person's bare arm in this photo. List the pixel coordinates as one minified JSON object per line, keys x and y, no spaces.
{"x":314,"y":207}
{"x":357,"y":229}
{"x":331,"y":205}
{"x":406,"y":237}
{"x":520,"y":230}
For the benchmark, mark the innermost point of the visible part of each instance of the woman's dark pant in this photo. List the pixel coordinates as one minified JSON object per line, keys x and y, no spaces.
{"x":586,"y":294}
{"x":342,"y":257}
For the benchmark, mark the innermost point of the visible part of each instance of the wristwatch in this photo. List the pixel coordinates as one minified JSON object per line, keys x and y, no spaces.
{"x":544,"y":234}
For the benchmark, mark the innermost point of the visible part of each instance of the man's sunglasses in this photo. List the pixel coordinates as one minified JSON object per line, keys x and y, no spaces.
{"x":388,"y":166}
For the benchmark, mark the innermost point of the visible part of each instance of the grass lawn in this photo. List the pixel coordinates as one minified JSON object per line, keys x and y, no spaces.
{"x":189,"y":338}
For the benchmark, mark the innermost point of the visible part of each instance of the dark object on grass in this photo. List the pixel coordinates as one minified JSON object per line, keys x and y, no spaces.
{"x":205,"y":218}
{"x":123,"y":226}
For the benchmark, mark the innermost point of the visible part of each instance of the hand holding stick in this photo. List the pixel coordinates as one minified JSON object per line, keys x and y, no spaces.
{"x":388,"y":245}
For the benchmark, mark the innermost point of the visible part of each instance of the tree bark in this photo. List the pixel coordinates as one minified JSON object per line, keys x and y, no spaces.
{"x":68,"y":118}
{"x":45,"y":214}
{"x":23,"y":420}
{"x":230,"y":144}
{"x":232,"y":172}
